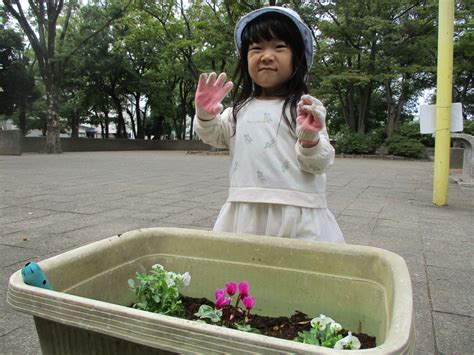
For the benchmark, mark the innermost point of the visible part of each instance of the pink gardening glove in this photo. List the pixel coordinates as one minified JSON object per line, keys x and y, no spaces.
{"x":310,"y":120}
{"x":209,"y":94}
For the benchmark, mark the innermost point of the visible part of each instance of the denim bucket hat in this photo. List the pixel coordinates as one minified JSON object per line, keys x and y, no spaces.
{"x":304,"y":30}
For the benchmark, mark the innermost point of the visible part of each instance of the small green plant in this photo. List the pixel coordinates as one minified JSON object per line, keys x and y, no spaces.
{"x":326,"y":332}
{"x":158,"y":290}
{"x":208,"y":312}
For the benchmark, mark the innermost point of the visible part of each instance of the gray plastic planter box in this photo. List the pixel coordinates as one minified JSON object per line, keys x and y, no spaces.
{"x":365,"y":289}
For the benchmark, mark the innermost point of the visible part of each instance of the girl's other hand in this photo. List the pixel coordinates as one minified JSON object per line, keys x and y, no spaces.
{"x":310,"y":120}
{"x":210,"y":92}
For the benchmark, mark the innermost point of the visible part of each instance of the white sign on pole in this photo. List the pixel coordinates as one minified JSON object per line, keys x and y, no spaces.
{"x":427,"y":116}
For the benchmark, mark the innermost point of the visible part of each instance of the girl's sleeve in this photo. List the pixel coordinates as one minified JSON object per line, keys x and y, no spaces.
{"x":217,"y":131}
{"x":317,"y":159}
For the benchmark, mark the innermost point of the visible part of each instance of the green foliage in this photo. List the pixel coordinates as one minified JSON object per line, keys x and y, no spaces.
{"x":463,"y":83}
{"x":404,"y":146}
{"x":327,"y":337}
{"x":377,"y":136}
{"x":354,"y":143}
{"x":208,"y":312}
{"x":17,"y":85}
{"x":468,"y":127}
{"x":308,"y":337}
{"x":373,"y":59}
{"x":211,"y":314}
{"x":158,"y":291}
{"x":412,"y":130}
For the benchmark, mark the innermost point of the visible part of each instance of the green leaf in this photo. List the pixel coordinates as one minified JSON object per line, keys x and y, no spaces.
{"x":208,"y":312}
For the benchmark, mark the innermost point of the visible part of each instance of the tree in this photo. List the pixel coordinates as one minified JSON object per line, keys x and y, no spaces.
{"x":103,"y":70}
{"x":364,"y":48}
{"x":408,"y":57}
{"x":348,"y":44}
{"x":140,"y":47}
{"x":463,"y":71}
{"x":196,"y":38}
{"x":17,"y":84}
{"x":48,"y":43}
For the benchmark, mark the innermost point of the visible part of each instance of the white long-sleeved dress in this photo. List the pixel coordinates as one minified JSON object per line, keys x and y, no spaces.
{"x":277,"y":187}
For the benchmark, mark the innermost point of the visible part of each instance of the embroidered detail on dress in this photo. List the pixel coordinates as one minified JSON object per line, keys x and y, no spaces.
{"x":267,"y":118}
{"x":285,"y":166}
{"x":261,"y":177}
{"x":247,"y":138}
{"x":270,"y":143}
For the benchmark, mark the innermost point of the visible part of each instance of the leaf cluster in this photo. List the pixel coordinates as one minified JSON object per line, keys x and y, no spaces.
{"x":404,"y":146}
{"x":158,"y":291}
{"x":326,"y":337}
{"x":208,"y":314}
{"x":349,"y":142}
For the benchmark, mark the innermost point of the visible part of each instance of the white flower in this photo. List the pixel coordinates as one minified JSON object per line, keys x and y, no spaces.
{"x":349,"y":342}
{"x":321,"y":322}
{"x":186,"y":278}
{"x":335,"y":327}
{"x":169,"y":278}
{"x":158,"y":266}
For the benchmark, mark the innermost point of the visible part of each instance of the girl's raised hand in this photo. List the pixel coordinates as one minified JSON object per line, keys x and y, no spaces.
{"x":210,"y":92}
{"x":310,"y":120}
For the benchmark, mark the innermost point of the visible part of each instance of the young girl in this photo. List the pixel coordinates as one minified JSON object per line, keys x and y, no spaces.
{"x":275,"y":132}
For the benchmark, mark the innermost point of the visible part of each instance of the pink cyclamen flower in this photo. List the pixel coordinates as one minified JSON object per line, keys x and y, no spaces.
{"x":222,"y":301}
{"x":220,"y":292}
{"x":243,"y":289}
{"x":231,"y":288}
{"x":248,"y":302}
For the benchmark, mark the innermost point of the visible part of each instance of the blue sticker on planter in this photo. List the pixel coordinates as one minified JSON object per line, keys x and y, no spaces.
{"x":34,"y":276}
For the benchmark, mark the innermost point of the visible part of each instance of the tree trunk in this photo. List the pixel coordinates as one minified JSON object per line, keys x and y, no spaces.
{"x":132,"y":121}
{"x":22,"y":116}
{"x":390,"y":119}
{"x":121,"y":130}
{"x":398,"y":112}
{"x":347,"y":102}
{"x":364,"y":107}
{"x":75,"y":126}
{"x":393,"y":116}
{"x":140,"y":120}
{"x":53,"y":143}
{"x":177,"y":127}
{"x":106,"y":119}
{"x":366,"y":91}
{"x":192,"y":113}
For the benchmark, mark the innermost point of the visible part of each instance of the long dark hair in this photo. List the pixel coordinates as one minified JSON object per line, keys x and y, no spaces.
{"x":264,"y":28}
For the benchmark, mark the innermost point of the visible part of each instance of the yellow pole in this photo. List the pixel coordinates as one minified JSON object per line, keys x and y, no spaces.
{"x":443,"y":101}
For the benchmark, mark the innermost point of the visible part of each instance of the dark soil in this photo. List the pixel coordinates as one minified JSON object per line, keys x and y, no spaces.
{"x":278,"y":327}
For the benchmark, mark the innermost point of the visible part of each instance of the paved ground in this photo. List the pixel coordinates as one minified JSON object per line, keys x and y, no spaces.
{"x":53,"y":203}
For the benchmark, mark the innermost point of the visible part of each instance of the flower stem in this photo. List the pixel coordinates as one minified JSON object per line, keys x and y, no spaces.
{"x":237,"y":302}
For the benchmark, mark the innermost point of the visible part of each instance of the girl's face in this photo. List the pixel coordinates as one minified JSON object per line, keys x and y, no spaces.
{"x":270,"y":65}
